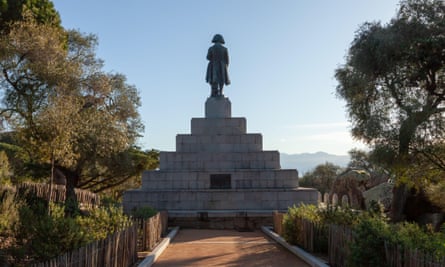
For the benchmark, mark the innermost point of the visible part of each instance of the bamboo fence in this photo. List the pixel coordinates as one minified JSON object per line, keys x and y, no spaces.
{"x":278,"y":222}
{"x":57,"y":193}
{"x":151,"y":231}
{"x":311,"y":237}
{"x":117,"y":250}
{"x":339,"y":238}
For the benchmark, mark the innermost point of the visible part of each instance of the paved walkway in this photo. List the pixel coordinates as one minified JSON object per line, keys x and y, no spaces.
{"x":199,"y":247}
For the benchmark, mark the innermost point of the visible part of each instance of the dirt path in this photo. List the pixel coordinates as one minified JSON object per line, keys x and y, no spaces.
{"x":198,"y":247}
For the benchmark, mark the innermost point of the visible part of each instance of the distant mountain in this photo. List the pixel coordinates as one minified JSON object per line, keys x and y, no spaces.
{"x":308,"y":161}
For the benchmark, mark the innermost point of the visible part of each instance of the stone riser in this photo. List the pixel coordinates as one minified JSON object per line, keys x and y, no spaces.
{"x":162,"y":180}
{"x":242,"y":200}
{"x":241,"y":223}
{"x":219,"y":160}
{"x":219,"y":143}
{"x":223,"y":126}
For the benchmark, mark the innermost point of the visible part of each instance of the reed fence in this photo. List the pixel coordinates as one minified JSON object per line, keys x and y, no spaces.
{"x":312,"y":237}
{"x":57,"y":193}
{"x":117,"y":250}
{"x":398,"y":256}
{"x":151,"y":230}
{"x":335,"y":240}
{"x":278,"y":222}
{"x":340,"y":237}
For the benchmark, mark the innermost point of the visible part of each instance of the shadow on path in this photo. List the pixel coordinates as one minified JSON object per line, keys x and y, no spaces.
{"x":200,"y":247}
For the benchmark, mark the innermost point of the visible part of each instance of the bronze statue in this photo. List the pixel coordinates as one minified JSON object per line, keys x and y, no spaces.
{"x":217,"y":74}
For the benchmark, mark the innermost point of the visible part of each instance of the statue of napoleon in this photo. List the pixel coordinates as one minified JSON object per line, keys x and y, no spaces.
{"x":217,"y":75}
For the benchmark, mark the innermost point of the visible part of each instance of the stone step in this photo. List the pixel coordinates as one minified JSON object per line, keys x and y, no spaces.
{"x":218,"y":126}
{"x":239,"y":179}
{"x":219,"y":143}
{"x":219,"y":160}
{"x":242,"y":200}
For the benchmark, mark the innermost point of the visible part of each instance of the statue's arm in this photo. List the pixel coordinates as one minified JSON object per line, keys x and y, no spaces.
{"x":209,"y":54}
{"x":226,"y":56}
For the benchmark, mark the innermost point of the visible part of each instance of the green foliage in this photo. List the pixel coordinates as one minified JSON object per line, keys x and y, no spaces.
{"x":103,"y":221}
{"x":436,"y":194}
{"x":41,"y":10}
{"x":337,"y":215}
{"x":72,"y":208}
{"x":143,"y":212}
{"x":9,"y":211}
{"x":291,"y":228}
{"x":19,"y":163}
{"x":65,"y":111}
{"x":48,"y":236}
{"x":393,"y":79}
{"x":107,"y":201}
{"x":121,"y":171}
{"x":372,"y":232}
{"x":413,"y":236}
{"x":321,"y":178}
{"x":5,"y":172}
{"x":37,"y":230}
{"x":368,"y":245}
{"x":393,"y":82}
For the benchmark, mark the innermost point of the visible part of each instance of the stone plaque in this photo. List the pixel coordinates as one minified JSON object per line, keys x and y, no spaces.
{"x":220,"y":181}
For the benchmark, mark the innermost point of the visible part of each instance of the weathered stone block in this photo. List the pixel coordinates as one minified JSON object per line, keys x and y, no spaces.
{"x":218,"y":107}
{"x":218,"y":126}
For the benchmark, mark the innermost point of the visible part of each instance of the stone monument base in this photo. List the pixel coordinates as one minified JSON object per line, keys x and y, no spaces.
{"x":223,"y":219}
{"x":219,"y":176}
{"x":238,"y":200}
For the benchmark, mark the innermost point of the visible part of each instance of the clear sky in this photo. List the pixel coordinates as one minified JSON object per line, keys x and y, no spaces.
{"x":283,"y":54}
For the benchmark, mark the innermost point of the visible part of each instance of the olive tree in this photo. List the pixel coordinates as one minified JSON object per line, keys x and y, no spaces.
{"x":393,"y":83}
{"x":64,"y":108}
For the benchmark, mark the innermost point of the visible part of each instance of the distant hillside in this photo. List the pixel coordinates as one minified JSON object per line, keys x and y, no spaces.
{"x":308,"y":161}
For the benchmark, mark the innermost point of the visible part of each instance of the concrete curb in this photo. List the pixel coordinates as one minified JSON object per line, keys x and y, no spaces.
{"x":154,"y":255}
{"x":308,"y":258}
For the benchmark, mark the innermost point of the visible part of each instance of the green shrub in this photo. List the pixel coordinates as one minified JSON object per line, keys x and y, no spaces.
{"x":368,"y":245}
{"x":103,"y":221}
{"x":291,"y":229}
{"x":143,"y":212}
{"x":107,"y":201}
{"x":412,"y":236}
{"x":45,"y":236}
{"x":9,"y":211}
{"x":5,"y":172}
{"x":337,"y":215}
{"x":371,"y":231}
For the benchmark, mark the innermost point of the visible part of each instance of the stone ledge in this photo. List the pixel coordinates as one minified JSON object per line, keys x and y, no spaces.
{"x":224,"y":126}
{"x":307,"y":257}
{"x":240,"y":200}
{"x":154,"y":255}
{"x":221,"y":213}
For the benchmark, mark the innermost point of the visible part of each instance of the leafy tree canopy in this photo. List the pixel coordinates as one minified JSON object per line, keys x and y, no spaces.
{"x":393,"y":80}
{"x":64,"y":109}
{"x":42,"y":11}
{"x":321,"y":177}
{"x":393,"y":83}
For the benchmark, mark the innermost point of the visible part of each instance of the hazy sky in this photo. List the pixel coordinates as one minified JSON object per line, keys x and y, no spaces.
{"x":283,"y":54}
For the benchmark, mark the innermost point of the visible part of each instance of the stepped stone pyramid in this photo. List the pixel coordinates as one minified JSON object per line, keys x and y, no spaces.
{"x":219,"y":168}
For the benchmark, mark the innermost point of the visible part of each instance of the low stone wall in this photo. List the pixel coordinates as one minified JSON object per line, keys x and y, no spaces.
{"x":242,"y":221}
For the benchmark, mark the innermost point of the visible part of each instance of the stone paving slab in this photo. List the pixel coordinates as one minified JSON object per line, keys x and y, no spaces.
{"x":201,"y":247}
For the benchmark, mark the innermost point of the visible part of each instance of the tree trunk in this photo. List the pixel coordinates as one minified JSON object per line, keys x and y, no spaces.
{"x":71,"y":203}
{"x":400,"y":191}
{"x":400,"y":195}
